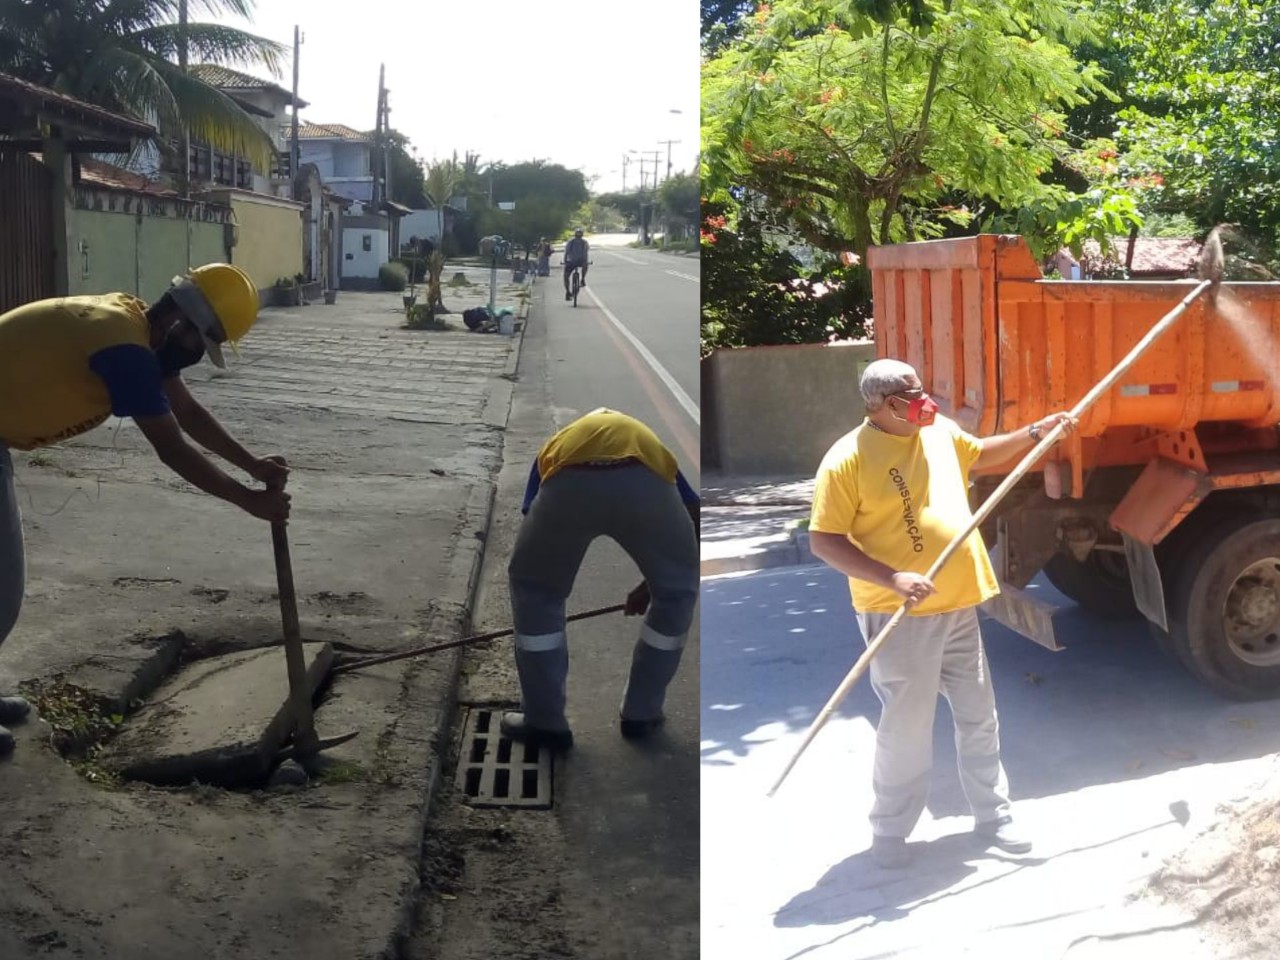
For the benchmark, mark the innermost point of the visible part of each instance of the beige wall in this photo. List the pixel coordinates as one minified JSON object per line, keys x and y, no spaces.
{"x":268,"y":236}
{"x":776,"y":410}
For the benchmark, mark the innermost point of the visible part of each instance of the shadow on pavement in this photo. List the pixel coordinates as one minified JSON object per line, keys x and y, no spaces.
{"x":1109,"y":708}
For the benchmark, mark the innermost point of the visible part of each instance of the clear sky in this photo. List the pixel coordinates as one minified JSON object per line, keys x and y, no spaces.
{"x":576,"y":83}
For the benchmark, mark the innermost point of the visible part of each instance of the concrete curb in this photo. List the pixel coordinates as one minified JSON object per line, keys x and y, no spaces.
{"x":794,"y":552}
{"x":471,"y":555}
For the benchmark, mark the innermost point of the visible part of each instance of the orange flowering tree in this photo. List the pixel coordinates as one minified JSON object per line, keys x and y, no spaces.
{"x":861,"y":122}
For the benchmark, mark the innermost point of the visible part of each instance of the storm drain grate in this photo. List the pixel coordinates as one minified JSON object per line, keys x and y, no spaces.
{"x":495,"y":771}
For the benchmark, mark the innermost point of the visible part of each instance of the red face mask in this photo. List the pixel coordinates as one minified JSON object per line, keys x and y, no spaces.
{"x":920,"y":411}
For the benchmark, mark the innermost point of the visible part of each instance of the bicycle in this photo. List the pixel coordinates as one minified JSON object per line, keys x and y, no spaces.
{"x":575,"y":281}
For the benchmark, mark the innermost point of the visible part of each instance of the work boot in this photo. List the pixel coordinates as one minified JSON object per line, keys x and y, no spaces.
{"x":1002,"y":834}
{"x":13,"y":710}
{"x":517,"y":728}
{"x":636,"y":729}
{"x":890,"y":853}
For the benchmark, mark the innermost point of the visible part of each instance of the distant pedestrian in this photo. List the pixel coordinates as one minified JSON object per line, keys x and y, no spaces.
{"x":890,"y":496}
{"x":69,"y":363}
{"x":605,"y":474}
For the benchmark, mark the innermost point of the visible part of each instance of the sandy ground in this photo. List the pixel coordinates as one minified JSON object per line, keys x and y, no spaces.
{"x":394,"y":437}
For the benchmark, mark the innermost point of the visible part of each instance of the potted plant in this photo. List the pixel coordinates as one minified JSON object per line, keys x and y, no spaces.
{"x":288,"y":293}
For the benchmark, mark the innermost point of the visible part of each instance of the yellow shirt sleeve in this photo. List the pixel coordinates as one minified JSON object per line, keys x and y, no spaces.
{"x":968,"y":447}
{"x":835,"y":496}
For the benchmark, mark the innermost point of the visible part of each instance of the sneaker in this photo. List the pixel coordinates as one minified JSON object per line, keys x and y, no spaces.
{"x":516,"y":727}
{"x":13,"y":709}
{"x":890,"y":853}
{"x":7,"y":743}
{"x":1002,"y":833}
{"x":635,"y":729}
{"x":568,"y":295}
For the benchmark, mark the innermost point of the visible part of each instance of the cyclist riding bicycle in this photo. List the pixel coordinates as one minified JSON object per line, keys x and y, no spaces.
{"x":576,"y":252}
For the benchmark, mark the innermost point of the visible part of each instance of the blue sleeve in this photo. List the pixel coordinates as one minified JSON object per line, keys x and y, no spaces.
{"x":531,"y":490}
{"x":687,"y":493}
{"x":132,"y":376}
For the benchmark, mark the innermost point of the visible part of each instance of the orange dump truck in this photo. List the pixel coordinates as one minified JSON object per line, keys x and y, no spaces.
{"x":1166,"y":501}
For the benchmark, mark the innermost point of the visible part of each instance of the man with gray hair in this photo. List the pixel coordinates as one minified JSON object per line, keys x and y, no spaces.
{"x":890,"y":496}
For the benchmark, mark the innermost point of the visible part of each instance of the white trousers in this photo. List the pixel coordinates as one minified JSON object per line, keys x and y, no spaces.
{"x":924,"y":657}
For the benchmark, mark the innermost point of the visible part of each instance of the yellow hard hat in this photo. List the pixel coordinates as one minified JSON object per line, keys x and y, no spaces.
{"x":221,"y":301}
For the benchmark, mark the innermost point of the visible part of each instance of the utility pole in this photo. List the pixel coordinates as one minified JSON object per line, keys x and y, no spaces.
{"x":186,"y":131}
{"x":668,"y":143}
{"x":293,"y":134}
{"x":626,"y":162}
{"x":377,"y":139}
{"x":386,"y":145}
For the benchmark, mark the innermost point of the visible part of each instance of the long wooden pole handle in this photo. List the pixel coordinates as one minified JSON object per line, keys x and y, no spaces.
{"x":1027,"y":462}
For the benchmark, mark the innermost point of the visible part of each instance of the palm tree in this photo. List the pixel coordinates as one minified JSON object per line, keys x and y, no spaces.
{"x":442,"y":181}
{"x":122,"y":55}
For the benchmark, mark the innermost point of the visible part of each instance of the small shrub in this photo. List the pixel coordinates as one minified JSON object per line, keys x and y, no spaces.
{"x":393,"y":277}
{"x":421,"y":317}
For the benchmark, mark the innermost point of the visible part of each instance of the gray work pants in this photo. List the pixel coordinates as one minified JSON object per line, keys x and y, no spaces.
{"x":12,"y":563}
{"x":645,"y":516}
{"x":926,"y":656}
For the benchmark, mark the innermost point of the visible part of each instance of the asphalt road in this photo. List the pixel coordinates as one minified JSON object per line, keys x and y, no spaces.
{"x":631,"y":812}
{"x":1098,"y":741}
{"x":611,"y":872}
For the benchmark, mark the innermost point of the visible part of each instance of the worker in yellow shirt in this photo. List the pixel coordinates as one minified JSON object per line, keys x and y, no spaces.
{"x":605,"y":474}
{"x":889,"y":497}
{"x":69,"y":363}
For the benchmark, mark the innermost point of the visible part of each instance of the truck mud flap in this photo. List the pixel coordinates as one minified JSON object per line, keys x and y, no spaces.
{"x":1024,"y":614}
{"x":1148,"y":589}
{"x":1018,"y":610}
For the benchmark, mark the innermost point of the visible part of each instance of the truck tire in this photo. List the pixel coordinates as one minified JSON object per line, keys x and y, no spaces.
{"x":1225,"y":612}
{"x":1100,"y":584}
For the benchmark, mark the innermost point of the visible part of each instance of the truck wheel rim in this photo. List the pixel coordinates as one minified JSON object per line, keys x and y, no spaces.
{"x":1251,"y":615}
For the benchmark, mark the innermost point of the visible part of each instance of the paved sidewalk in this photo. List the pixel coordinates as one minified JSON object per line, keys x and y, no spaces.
{"x":751,"y":523}
{"x":395,"y":437}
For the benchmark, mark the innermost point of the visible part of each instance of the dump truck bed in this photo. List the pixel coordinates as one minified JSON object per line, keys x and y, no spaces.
{"x":999,"y":347}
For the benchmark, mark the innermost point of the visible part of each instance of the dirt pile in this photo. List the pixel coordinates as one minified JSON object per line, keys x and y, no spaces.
{"x":1229,"y":877}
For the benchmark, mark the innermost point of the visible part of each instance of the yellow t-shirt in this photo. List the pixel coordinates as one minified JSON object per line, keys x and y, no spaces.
{"x":47,"y":390}
{"x":901,"y":500}
{"x":605,"y":435}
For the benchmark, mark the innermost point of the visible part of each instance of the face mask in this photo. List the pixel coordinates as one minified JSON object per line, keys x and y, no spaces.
{"x":920,"y":411}
{"x":174,"y":354}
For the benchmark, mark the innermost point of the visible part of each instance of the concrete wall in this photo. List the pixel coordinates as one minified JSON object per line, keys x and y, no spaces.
{"x":123,"y":242}
{"x":421,"y":223}
{"x":268,"y":236}
{"x":776,"y":410}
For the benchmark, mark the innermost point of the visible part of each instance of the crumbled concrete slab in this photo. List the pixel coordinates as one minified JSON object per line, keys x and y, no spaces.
{"x":220,"y":721}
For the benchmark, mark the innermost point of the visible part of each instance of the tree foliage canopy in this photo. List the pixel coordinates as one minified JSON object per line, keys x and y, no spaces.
{"x":123,"y":56}
{"x":1199,"y":121}
{"x":880,"y":122}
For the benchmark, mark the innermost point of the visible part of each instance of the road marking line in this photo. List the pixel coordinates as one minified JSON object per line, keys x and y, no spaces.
{"x":641,"y":263}
{"x":684,"y":276}
{"x":677,"y":391}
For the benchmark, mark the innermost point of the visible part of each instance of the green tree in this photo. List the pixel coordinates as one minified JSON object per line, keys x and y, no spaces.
{"x":679,"y":196}
{"x":875,"y":122}
{"x":442,"y":181}
{"x":123,"y":56}
{"x":407,"y":186}
{"x":1200,"y":113}
{"x":627,"y":204}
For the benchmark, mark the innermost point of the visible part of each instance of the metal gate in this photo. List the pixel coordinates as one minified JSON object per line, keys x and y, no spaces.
{"x":26,"y":230}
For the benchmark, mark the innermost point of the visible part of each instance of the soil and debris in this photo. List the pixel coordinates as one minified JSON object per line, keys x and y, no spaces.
{"x":1228,"y":878}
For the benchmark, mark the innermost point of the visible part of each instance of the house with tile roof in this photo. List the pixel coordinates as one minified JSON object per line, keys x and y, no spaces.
{"x":343,"y":157}
{"x":269,"y":104}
